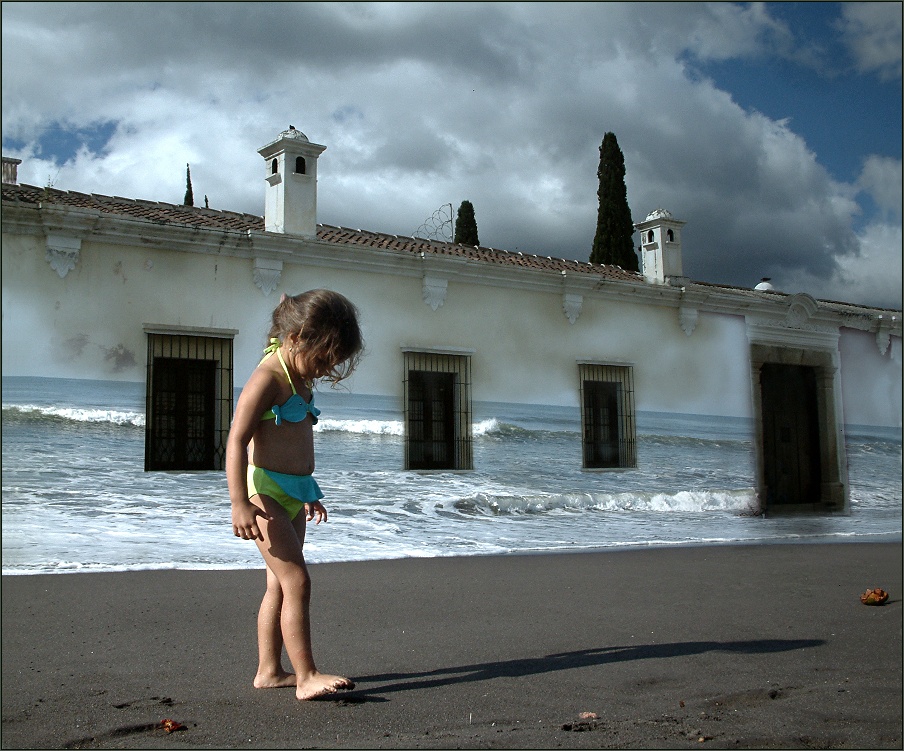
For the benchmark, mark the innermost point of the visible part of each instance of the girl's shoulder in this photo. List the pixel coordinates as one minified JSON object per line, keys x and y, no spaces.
{"x":265,"y":379}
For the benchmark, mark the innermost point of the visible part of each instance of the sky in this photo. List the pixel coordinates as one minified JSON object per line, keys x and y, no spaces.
{"x":773,"y":129}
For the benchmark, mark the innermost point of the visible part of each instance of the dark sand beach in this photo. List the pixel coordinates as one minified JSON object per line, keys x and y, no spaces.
{"x":709,"y":647}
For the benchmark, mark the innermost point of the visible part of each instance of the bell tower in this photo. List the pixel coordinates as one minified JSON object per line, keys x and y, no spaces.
{"x":290,"y":204}
{"x":660,"y":243}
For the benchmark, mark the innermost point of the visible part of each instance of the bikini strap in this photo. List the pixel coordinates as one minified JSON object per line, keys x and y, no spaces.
{"x":269,"y":350}
{"x":283,"y":363}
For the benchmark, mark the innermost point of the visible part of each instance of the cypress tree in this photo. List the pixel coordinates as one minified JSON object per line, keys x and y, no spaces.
{"x":614,"y":242}
{"x":466,"y":225}
{"x":189,"y":199}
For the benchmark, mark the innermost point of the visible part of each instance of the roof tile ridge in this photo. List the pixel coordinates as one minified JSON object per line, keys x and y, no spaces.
{"x":445,"y":246}
{"x":239,"y":213}
{"x":50,"y":192}
{"x":21,"y":191}
{"x":77,"y":193}
{"x":389,"y":235}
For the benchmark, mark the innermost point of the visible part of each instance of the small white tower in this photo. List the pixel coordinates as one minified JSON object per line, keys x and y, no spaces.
{"x":660,"y":242}
{"x":291,"y":197}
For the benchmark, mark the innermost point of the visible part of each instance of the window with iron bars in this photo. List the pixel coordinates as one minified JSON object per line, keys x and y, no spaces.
{"x":608,"y":428}
{"x":437,"y":399}
{"x":189,"y":400}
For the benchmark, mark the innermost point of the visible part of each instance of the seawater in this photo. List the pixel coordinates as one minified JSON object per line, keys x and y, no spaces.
{"x":75,"y":496}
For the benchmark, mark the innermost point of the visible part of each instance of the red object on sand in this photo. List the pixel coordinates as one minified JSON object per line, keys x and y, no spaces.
{"x":171,"y":726}
{"x":874,"y":597}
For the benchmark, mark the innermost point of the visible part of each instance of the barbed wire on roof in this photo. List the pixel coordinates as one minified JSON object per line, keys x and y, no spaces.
{"x":439,"y":225}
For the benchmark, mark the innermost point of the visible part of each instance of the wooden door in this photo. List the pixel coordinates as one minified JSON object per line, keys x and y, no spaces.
{"x":431,"y":420}
{"x":791,"y":462}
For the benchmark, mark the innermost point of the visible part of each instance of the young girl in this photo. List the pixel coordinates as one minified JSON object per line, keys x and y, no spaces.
{"x":269,"y":462}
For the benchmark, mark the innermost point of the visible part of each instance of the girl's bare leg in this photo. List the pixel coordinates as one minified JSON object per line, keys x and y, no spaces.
{"x":270,"y":673}
{"x":282,"y":552}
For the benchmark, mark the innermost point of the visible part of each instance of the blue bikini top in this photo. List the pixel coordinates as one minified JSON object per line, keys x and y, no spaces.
{"x":295,"y":408}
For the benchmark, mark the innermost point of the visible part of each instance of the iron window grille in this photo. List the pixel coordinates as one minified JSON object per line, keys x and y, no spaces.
{"x":189,"y":401}
{"x":608,"y":426}
{"x":437,"y":400}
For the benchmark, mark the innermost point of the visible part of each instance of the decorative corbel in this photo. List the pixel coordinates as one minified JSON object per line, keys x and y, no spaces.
{"x":883,"y":335}
{"x":267,"y":273}
{"x":687,"y":318}
{"x":571,"y":305}
{"x":62,"y":253}
{"x":434,"y":292}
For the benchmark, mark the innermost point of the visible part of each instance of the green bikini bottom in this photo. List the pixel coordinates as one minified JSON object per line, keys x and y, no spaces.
{"x":291,"y":492}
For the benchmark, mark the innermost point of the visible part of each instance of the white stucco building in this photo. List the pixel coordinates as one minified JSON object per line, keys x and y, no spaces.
{"x":179,"y":298}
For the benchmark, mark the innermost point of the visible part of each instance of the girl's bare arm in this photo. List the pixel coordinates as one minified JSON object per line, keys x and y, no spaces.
{"x":258,"y":392}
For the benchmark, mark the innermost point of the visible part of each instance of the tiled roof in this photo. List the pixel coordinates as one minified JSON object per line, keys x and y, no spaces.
{"x":194,"y":216}
{"x":477,"y":253}
{"x":152,"y":211}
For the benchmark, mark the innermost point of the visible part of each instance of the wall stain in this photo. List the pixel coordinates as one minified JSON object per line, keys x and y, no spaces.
{"x":120,"y":357}
{"x":74,"y":346}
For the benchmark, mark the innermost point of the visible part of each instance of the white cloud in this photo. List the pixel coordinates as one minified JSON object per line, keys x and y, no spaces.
{"x":872,"y":276}
{"x":872,"y":33}
{"x":731,"y":30}
{"x":422,"y":105}
{"x":881,"y":179}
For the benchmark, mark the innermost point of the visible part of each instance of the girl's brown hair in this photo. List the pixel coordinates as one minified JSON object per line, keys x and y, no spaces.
{"x":327,"y":327}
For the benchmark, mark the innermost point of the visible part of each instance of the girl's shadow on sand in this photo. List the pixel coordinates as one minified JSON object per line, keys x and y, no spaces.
{"x":566,"y":661}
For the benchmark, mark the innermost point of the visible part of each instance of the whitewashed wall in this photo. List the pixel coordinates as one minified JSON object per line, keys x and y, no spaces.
{"x":90,"y":324}
{"x":870,"y":380}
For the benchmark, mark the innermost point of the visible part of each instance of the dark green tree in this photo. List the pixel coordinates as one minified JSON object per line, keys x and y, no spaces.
{"x":614,"y":242}
{"x":466,"y":225}
{"x":189,"y":199}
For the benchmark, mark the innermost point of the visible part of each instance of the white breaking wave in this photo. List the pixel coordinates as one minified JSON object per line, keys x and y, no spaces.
{"x":79,"y":414}
{"x":485,"y":427}
{"x":392,"y":427}
{"x":369,"y":427}
{"x":689,"y":501}
{"x":119,"y":417}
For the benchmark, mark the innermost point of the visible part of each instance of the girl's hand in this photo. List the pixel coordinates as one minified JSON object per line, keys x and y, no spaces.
{"x":244,"y":521}
{"x":315,"y":508}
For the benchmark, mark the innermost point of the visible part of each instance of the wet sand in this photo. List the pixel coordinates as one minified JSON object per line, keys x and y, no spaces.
{"x":718,"y":647}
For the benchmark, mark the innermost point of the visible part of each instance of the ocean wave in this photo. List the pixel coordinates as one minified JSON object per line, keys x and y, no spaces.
{"x":32,"y":412}
{"x":495,"y":428}
{"x":362,"y":427}
{"x":679,"y":441}
{"x":490,"y":427}
{"x":741,"y":502}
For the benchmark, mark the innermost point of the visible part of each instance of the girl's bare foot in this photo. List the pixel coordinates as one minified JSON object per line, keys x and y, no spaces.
{"x":282,"y":679}
{"x":321,"y":685}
